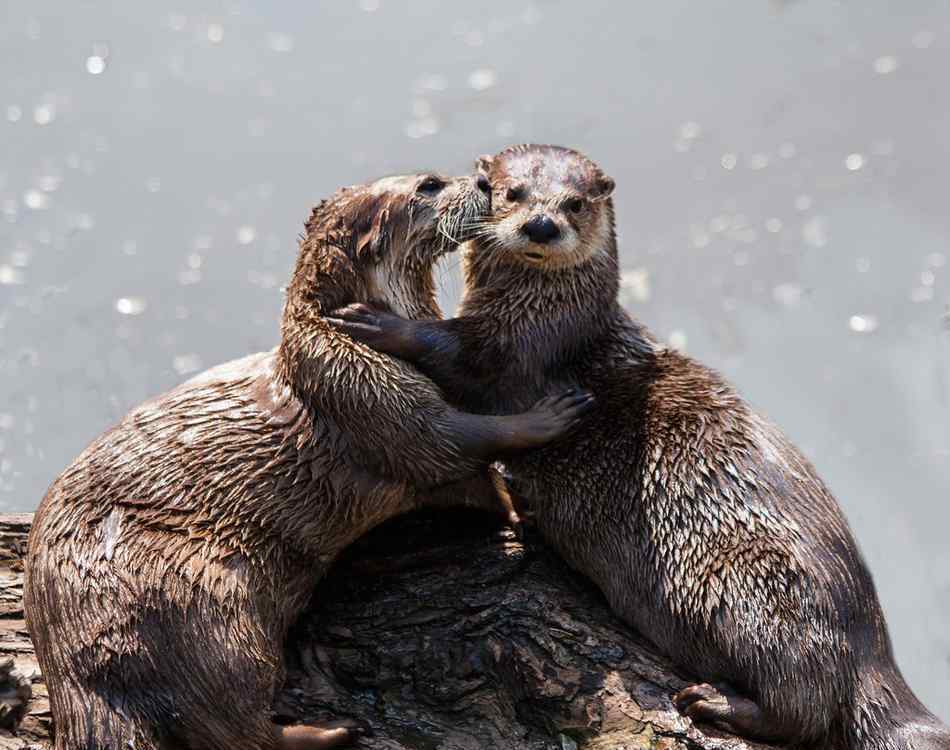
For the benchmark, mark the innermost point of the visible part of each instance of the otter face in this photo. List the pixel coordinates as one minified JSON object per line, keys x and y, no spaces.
{"x":551,"y":207}
{"x":418,"y":216}
{"x":397,"y":227}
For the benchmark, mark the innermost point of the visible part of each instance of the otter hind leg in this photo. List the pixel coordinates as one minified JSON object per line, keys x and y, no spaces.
{"x":725,"y":709}
{"x":86,"y":720}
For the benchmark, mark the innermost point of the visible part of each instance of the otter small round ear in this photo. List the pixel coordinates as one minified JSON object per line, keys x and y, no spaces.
{"x":369,"y":248}
{"x":371,"y":245}
{"x":483,"y":163}
{"x":603,"y":187}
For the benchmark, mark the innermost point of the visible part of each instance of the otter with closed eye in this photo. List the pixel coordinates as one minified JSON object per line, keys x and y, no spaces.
{"x":702,"y":524}
{"x":167,"y":562}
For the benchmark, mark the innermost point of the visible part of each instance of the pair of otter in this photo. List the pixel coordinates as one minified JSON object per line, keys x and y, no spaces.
{"x":185,"y":540}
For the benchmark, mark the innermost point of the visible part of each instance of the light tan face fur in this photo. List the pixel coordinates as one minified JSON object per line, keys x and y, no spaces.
{"x":411,"y":221}
{"x":562,"y":192}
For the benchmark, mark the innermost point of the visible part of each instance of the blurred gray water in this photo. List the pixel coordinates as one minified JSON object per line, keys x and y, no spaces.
{"x":782,"y":209}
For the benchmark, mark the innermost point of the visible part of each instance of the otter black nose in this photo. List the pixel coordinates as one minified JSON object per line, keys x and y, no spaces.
{"x":482,"y":183}
{"x":541,"y":229}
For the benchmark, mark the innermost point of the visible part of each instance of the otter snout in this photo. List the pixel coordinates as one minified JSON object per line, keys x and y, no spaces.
{"x":460,"y":207}
{"x":541,"y":229}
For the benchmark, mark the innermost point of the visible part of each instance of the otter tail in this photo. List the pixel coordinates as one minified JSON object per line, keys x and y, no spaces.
{"x":927,"y":734}
{"x":886,"y":715}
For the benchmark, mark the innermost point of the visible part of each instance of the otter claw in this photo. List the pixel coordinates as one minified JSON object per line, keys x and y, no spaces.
{"x":349,"y":326}
{"x":358,"y":312}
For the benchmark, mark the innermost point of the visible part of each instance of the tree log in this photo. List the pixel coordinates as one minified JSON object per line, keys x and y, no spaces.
{"x":437,"y":631}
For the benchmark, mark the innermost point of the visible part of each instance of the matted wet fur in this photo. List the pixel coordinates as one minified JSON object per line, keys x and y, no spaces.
{"x":167,"y":562}
{"x":703,"y":525}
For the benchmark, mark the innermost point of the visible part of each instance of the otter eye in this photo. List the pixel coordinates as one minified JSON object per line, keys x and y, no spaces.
{"x":575,"y":205}
{"x":430,"y":186}
{"x":515,"y":193}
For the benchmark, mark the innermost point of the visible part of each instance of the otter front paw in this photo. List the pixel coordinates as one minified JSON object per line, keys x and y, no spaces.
{"x":378,"y":329}
{"x":551,"y":418}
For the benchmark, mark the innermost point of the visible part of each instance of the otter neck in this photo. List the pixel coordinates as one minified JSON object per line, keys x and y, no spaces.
{"x":406,"y":285}
{"x":555,"y":313}
{"x":326,"y":278}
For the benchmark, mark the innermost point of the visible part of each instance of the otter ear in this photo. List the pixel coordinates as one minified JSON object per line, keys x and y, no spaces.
{"x":603,"y":188}
{"x":371,"y":243}
{"x":483,"y":164}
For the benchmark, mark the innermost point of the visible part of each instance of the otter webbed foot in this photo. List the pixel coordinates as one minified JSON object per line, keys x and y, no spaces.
{"x":319,"y":737}
{"x":725,"y":709}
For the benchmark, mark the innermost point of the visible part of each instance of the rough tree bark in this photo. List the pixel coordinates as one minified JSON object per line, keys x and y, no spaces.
{"x":438,"y":632}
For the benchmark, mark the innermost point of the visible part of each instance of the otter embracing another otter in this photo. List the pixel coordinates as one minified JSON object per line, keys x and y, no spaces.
{"x":166,"y":564}
{"x":702,"y":524}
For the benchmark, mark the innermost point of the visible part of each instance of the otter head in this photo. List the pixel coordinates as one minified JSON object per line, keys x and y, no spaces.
{"x":551,"y":208}
{"x":394,"y":229}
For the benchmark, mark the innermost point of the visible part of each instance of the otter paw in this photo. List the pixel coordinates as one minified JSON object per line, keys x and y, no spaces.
{"x":377,"y":328}
{"x":358,"y":321}
{"x":695,"y":694}
{"x":554,"y":416}
{"x":320,"y":736}
{"x":724,"y":709}
{"x":358,"y":312}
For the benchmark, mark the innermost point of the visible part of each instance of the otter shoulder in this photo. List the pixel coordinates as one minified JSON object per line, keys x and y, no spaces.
{"x":687,"y":385}
{"x":223,"y":411}
{"x":693,"y":413}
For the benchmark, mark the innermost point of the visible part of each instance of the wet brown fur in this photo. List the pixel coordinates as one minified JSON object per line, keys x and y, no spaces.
{"x":167,"y":562}
{"x":703,"y":525}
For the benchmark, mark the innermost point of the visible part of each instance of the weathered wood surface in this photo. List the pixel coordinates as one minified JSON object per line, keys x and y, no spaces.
{"x":438,"y":632}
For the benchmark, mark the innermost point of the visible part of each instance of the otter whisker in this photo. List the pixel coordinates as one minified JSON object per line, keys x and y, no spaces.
{"x":447,"y":232}
{"x":411,"y":212}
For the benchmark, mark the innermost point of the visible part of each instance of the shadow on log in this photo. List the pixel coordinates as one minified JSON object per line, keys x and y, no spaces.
{"x":439,"y":632}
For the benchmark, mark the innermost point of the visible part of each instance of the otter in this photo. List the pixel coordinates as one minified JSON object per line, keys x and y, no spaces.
{"x":705,"y":528}
{"x":166,"y":564}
